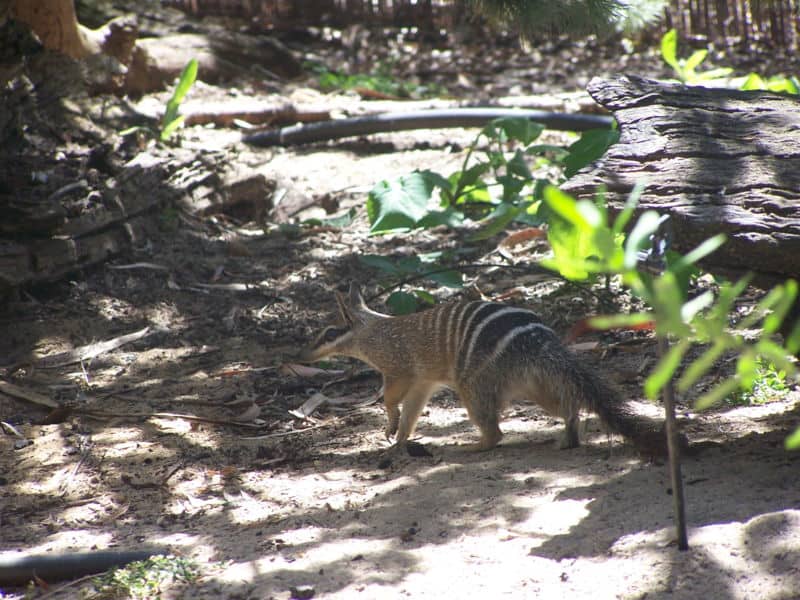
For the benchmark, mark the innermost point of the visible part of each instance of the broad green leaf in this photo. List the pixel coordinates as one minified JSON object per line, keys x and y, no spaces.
{"x":665,"y":369}
{"x":449,"y":216}
{"x":512,"y":186}
{"x":747,"y":369}
{"x":518,"y":165}
{"x":379,"y":262}
{"x":792,"y":341}
{"x":669,"y":49}
{"x":519,"y":128}
{"x":401,"y":303}
{"x":716,"y":394}
{"x":468,"y":177}
{"x":398,"y":204}
{"x":592,"y":145}
{"x":559,"y":151}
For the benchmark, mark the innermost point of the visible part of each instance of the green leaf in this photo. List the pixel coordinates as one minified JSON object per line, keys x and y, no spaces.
{"x":787,"y":294}
{"x":399,"y":204}
{"x":639,"y":237}
{"x":669,"y":49}
{"x":518,"y":165}
{"x":565,"y":207}
{"x":338,"y":221}
{"x":401,"y":303}
{"x":426,"y":297}
{"x":754,"y":82}
{"x":717,"y":394}
{"x":379,"y":262}
{"x":700,"y":367}
{"x":171,"y":127}
{"x":696,"y":304}
{"x":500,"y":218}
{"x":449,"y":278}
{"x":449,"y":216}
{"x":793,"y":441}
{"x":665,"y":369}
{"x":697,"y":57}
{"x":592,"y":145}
{"x":469,"y":177}
{"x":187,"y":79}
{"x":519,"y":128}
{"x":630,"y":206}
{"x":713,"y":74}
{"x":712,"y":244}
{"x":620,"y":321}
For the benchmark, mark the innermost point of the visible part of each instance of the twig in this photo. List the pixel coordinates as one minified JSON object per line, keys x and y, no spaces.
{"x":163,"y":415}
{"x":287,"y":433}
{"x":673,"y":448}
{"x":28,"y":395}
{"x":91,"y":350}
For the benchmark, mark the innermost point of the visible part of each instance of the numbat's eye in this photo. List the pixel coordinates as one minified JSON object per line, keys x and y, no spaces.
{"x":331,"y":334}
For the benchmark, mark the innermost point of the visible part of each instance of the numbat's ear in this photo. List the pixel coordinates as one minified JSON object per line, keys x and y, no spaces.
{"x":356,"y":299}
{"x":354,"y":309}
{"x":345,"y":313}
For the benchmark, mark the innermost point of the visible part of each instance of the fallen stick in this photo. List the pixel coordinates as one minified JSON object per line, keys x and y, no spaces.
{"x":90,"y":350}
{"x":423,"y":119}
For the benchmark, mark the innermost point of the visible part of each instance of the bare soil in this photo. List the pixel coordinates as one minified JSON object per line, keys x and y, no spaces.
{"x":184,"y":439}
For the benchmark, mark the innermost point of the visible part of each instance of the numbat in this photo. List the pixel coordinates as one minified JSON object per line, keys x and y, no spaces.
{"x":490,"y":355}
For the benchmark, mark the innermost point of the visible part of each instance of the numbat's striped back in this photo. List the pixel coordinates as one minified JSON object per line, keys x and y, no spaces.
{"x":489,"y":354}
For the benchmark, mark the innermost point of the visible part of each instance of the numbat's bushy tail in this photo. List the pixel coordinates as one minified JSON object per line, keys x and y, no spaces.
{"x":490,"y":355}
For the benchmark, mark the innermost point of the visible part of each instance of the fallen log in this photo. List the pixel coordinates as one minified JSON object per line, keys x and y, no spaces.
{"x":716,"y":160}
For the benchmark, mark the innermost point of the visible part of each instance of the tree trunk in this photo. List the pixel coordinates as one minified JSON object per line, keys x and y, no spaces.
{"x":55,"y":24}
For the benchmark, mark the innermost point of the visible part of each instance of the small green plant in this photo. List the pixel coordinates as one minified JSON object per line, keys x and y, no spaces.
{"x":777,"y":83}
{"x":171,"y":120}
{"x":703,"y":319}
{"x":768,"y":385}
{"x":381,"y":80}
{"x":686,"y":68}
{"x":495,"y":186}
{"x":148,"y":578}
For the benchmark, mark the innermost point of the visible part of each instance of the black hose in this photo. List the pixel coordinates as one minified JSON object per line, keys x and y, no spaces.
{"x":423,"y":119}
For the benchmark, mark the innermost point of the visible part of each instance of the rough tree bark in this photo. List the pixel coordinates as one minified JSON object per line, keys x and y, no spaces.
{"x":716,"y":160}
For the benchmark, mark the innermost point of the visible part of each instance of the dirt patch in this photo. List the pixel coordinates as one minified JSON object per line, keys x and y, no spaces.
{"x":266,"y":501}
